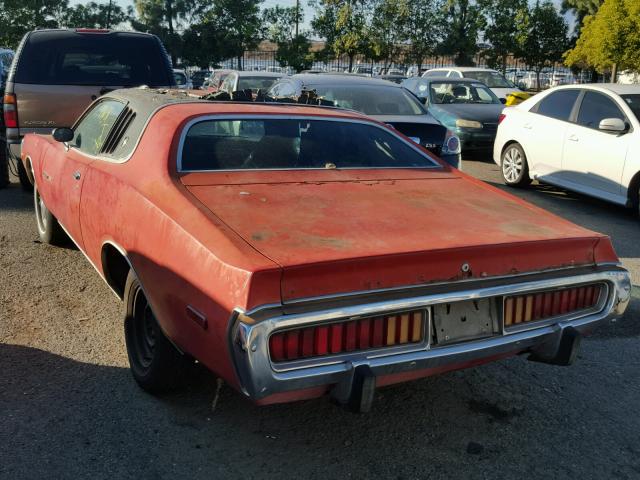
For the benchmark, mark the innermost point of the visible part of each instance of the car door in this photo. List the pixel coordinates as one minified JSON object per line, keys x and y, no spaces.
{"x":594,"y":158}
{"x":542,"y":132}
{"x":68,"y":163}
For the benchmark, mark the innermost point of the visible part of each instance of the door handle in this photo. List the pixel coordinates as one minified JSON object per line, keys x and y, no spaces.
{"x":528,"y":126}
{"x":76,"y":175}
{"x":573,"y":138}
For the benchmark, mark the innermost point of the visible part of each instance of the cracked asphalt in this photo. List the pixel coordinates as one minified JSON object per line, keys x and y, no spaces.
{"x":70,"y":409}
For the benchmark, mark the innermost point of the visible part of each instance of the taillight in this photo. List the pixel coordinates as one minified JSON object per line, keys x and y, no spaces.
{"x":9,"y":111}
{"x":532,"y":307}
{"x":501,"y":117}
{"x":451,"y":144}
{"x":348,"y":336}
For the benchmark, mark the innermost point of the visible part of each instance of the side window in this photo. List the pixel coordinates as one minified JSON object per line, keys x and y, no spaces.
{"x":558,"y":105}
{"x":287,"y":90}
{"x":436,"y":73}
{"x":596,"y":107}
{"x":91,"y":133}
{"x":454,"y":74}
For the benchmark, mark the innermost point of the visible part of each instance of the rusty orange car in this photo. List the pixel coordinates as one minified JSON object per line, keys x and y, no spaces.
{"x":298,"y":251}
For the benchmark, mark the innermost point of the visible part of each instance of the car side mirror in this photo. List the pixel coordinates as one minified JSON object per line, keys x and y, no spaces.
{"x":63,"y":134}
{"x":613,"y":125}
{"x":503,"y":101}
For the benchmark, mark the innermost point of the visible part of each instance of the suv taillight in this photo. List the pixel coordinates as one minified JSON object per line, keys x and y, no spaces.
{"x":9,"y":110}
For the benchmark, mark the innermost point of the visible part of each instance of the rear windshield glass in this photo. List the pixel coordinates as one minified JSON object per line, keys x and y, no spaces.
{"x":250,"y":144}
{"x":256,"y":83}
{"x":490,"y":79}
{"x":376,"y":100}
{"x":459,"y":92}
{"x":93,"y":59}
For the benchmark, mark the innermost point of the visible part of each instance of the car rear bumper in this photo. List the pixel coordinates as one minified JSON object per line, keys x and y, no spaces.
{"x":261,"y":379}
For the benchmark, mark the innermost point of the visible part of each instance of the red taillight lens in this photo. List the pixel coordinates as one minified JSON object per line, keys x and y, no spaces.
{"x":542,"y":305}
{"x":348,"y":336}
{"x":501,"y":117}
{"x":10,"y":112}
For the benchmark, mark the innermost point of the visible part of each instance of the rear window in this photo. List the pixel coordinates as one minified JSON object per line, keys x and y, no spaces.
{"x":371,"y":100}
{"x":251,"y":144}
{"x":93,"y":59}
{"x":256,"y":83}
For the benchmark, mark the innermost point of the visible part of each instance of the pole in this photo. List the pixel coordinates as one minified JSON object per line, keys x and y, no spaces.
{"x":109,"y":15}
{"x":297,"y":16}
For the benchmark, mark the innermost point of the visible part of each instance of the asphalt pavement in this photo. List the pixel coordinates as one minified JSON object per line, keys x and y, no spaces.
{"x":69,"y":407}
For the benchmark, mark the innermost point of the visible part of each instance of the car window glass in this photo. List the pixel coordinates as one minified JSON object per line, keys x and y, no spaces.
{"x":633,"y":101}
{"x":97,"y":59}
{"x":596,"y":107}
{"x":181,"y":78}
{"x":371,"y":100}
{"x":454,"y":74}
{"x":490,"y":79}
{"x":227,"y":83}
{"x":558,"y":104}
{"x":256,"y":83}
{"x":436,"y":73}
{"x":92,"y":131}
{"x":461,"y":92}
{"x":294,"y":144}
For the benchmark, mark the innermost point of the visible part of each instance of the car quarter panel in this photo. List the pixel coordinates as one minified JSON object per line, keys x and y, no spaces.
{"x":183,"y":255}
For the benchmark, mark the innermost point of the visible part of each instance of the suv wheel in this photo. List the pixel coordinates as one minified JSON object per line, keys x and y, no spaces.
{"x":514,"y":167}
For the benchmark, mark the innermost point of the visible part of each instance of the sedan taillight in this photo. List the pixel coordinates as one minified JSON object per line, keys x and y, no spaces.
{"x":10,"y":111}
{"x":501,"y":117}
{"x":348,"y":336}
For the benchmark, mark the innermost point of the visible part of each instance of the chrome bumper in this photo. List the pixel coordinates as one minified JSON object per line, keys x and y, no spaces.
{"x":259,"y":377}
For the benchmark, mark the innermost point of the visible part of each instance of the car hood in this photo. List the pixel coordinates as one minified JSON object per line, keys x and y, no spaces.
{"x":413,"y":227}
{"x":481,"y":113}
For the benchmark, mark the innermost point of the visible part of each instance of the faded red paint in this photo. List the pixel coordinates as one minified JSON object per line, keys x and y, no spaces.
{"x":195,"y":240}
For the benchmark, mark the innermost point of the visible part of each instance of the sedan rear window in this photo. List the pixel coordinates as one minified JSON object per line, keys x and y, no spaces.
{"x":371,"y":100}
{"x":51,"y":58}
{"x":256,"y":83}
{"x":249,"y":144}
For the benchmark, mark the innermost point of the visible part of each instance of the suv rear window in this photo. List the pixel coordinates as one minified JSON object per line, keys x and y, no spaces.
{"x":103,"y":59}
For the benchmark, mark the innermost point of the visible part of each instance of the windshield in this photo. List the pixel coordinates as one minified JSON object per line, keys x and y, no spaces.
{"x":633,"y":102}
{"x":371,"y":100}
{"x":490,"y":79}
{"x":461,"y":92}
{"x":268,"y":143}
{"x":256,"y":83}
{"x":93,"y":59}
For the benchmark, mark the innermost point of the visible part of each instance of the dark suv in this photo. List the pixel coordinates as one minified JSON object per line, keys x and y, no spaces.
{"x":58,"y":73}
{"x":6,"y":58}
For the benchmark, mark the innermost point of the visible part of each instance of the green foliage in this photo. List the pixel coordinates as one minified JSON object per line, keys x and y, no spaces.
{"x":18,"y":17}
{"x":609,"y":37}
{"x":542,"y":37}
{"x":239,"y":25}
{"x":502,"y":20}
{"x":388,"y":28}
{"x":581,"y":8}
{"x":280,"y":28}
{"x":96,"y":15}
{"x":463,"y":21}
{"x":424,"y":28}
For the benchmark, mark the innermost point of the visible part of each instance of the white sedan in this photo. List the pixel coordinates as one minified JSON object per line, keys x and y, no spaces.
{"x":583,"y":138}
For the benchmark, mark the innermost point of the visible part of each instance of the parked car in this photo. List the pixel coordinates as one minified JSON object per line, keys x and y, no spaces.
{"x":362,"y":70}
{"x":531,"y":81}
{"x":199,"y":77}
{"x":183,"y":82}
{"x":465,"y":106}
{"x":297,"y":251}
{"x":58,"y":73}
{"x":252,"y":80}
{"x":384,"y":101}
{"x":491,"y":78}
{"x":6,"y":58}
{"x":583,"y":138}
{"x":215,"y":80}
{"x":393,"y":78}
{"x":275,"y":69}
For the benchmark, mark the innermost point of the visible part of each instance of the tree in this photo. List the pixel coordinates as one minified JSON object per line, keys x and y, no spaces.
{"x":502,"y":20}
{"x":581,"y":8}
{"x":463,"y":20}
{"x":343,"y":24}
{"x":282,"y":28}
{"x":388,"y":29}
{"x":239,"y":26}
{"x":18,"y":17}
{"x":609,"y":39}
{"x":96,"y":15}
{"x":424,"y":29}
{"x":542,"y":37}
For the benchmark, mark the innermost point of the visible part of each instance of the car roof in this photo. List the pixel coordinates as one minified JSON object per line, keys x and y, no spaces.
{"x":58,"y":32}
{"x":146,"y":101}
{"x":618,"y":88}
{"x":328,"y":79}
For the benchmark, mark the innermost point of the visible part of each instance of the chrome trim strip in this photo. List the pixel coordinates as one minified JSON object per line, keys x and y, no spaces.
{"x":259,"y":378}
{"x":241,"y":116}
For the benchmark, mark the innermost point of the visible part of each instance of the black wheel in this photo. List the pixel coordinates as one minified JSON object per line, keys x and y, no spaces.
{"x":514,"y":166}
{"x":25,"y":183}
{"x":4,"y":165}
{"x":49,"y":229}
{"x":155,"y":363}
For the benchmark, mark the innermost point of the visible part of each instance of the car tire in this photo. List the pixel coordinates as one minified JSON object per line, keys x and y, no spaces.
{"x":156,"y":365}
{"x":514,"y":166}
{"x":49,"y":229}
{"x":26,"y":184}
